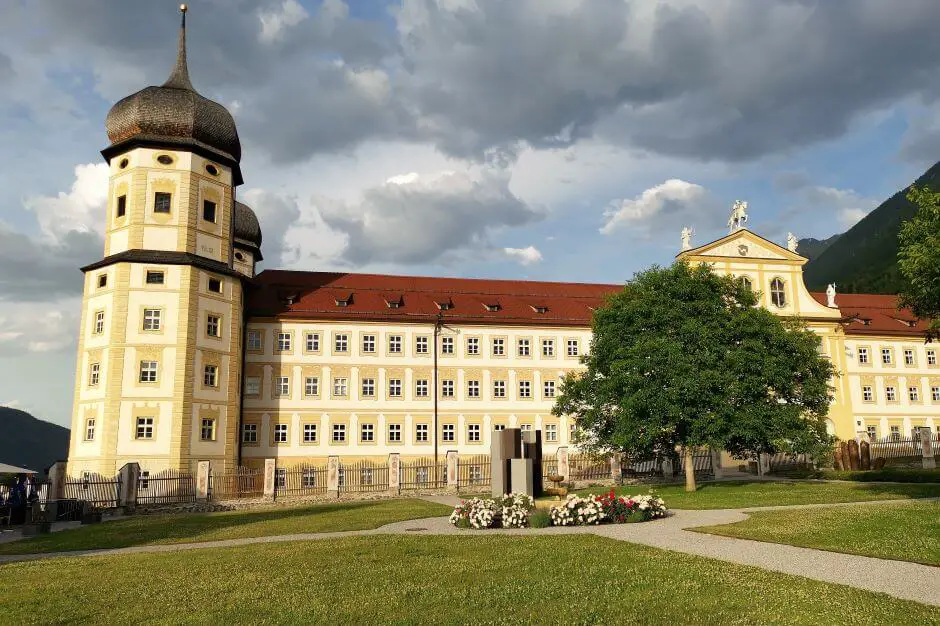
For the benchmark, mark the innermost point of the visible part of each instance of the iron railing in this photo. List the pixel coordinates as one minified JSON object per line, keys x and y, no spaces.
{"x":300,"y":480}
{"x":166,"y":487}
{"x":98,"y":491}
{"x":362,"y":477}
{"x":422,"y":474}
{"x":701,"y":464}
{"x":242,"y":482}
{"x":899,"y":448}
{"x":782,"y":462}
{"x":587,"y":467}
{"x":641,"y":468}
{"x":473,"y":471}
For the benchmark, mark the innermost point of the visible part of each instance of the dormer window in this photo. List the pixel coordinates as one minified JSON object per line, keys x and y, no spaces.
{"x":288,"y":297}
{"x":445,"y":305}
{"x":344,"y":301}
{"x":539,"y":308}
{"x":492,"y":308}
{"x":394,"y":303}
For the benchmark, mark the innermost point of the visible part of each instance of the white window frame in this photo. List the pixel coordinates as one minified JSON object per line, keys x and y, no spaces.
{"x":394,"y":432}
{"x":394,"y":388}
{"x":499,"y":388}
{"x":447,"y":388}
{"x":913,"y":394}
{"x":340,"y":387}
{"x":778,"y":294}
{"x":253,"y":340}
{"x":252,"y":386}
{"x":422,"y":433}
{"x":94,"y":374}
{"x":473,"y":389}
{"x":310,"y":432}
{"x":207,"y":429}
{"x":281,"y":433}
{"x":144,"y":429}
{"x":338,"y":433}
{"x":283,"y":341}
{"x":908,"y":357}
{"x":210,"y":375}
{"x":548,"y":348}
{"x":890,"y":394}
{"x":149,"y":372}
{"x":214,"y":325}
{"x":99,"y":323}
{"x":448,"y":433}
{"x":422,"y":386}
{"x":367,"y":433}
{"x":90,"y":429}
{"x":499,"y":346}
{"x":311,"y":385}
{"x":473,"y":432}
{"x":523,"y":347}
{"x":368,"y":344}
{"x":395,"y":343}
{"x":886,"y":356}
{"x":281,"y":386}
{"x":368,"y":387}
{"x":573,"y":347}
{"x":548,"y":389}
{"x":473,"y":346}
{"x":868,"y":394}
{"x":863,"y":356}
{"x":249,"y":433}
{"x":551,"y":433}
{"x":341,"y":343}
{"x":447,"y":345}
{"x":525,"y":389}
{"x":312,"y":341}
{"x":422,"y":345}
{"x":152,"y":319}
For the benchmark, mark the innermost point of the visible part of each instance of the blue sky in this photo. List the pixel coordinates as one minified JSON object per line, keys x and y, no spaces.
{"x":541,"y":139}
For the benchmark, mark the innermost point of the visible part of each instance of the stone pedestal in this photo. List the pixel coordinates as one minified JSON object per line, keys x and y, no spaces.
{"x":202,"y":480}
{"x":616,"y":469}
{"x":332,"y":476}
{"x":522,"y":476}
{"x":716,"y":463}
{"x":926,"y":449}
{"x":269,"y":466}
{"x":394,"y":475}
{"x":763,"y":464}
{"x":562,"y":457}
{"x":57,"y":478}
{"x":129,"y":475}
{"x":667,"y":468}
{"x":452,"y":470}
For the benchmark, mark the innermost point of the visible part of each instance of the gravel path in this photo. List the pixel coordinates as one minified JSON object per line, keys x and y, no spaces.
{"x":908,"y":581}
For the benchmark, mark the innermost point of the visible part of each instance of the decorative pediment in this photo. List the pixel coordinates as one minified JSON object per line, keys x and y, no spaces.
{"x":743,"y":244}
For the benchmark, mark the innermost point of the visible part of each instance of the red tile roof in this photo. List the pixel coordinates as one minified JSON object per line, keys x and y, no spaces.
{"x":318,"y":295}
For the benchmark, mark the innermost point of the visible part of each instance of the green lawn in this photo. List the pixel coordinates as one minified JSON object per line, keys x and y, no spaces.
{"x":733,"y":495}
{"x":407,"y":579}
{"x":143,"y":530}
{"x":907,"y":531}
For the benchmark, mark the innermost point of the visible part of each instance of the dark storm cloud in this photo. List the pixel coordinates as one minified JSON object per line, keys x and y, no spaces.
{"x":35,"y":271}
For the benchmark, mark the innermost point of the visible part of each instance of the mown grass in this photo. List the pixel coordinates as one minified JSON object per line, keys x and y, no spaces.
{"x":734,"y":495}
{"x":888,"y":474}
{"x":906,"y":531}
{"x":407,"y":579}
{"x":144,"y":530}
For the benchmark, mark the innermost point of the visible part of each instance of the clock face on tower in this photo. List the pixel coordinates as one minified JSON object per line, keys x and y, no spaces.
{"x":742,"y":250}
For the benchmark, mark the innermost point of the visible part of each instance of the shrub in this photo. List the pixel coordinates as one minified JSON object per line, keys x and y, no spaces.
{"x":608,"y":508}
{"x":540,"y":518}
{"x":510,"y":511}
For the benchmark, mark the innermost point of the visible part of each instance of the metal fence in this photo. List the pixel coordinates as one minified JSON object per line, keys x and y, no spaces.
{"x":782,"y":462}
{"x":362,"y":477}
{"x":549,"y":467}
{"x":166,"y":487}
{"x":473,"y":471}
{"x":242,"y":482}
{"x":587,"y":467}
{"x":701,"y":464}
{"x":423,"y":474}
{"x":97,"y":490}
{"x":638,"y":468}
{"x":300,"y":480}
{"x":897,"y":448}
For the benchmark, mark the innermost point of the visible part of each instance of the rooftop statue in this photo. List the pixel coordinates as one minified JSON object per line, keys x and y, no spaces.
{"x":738,"y":216}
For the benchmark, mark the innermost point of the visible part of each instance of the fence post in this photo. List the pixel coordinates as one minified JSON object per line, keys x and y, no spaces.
{"x":452,"y":470}
{"x":57,"y":477}
{"x":616,"y":472}
{"x":667,"y":469}
{"x":332,"y":476}
{"x":269,"y":467}
{"x":716,"y":463}
{"x":562,"y":457}
{"x":129,"y":474}
{"x":394,"y":475}
{"x":763,"y":464}
{"x":202,"y":480}
{"x":926,"y":450}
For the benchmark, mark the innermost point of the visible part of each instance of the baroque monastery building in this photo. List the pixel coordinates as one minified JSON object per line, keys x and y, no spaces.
{"x":186,"y":355}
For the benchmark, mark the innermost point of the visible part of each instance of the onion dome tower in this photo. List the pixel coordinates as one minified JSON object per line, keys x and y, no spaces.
{"x":160,"y":348}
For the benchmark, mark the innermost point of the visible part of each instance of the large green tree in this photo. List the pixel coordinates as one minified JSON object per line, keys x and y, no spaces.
{"x":683,"y":357}
{"x":919,"y":258}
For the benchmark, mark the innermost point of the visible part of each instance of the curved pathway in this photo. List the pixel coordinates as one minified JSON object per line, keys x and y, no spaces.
{"x":901,"y":579}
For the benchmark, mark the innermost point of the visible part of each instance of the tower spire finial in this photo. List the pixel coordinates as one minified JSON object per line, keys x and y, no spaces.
{"x":179,"y":77}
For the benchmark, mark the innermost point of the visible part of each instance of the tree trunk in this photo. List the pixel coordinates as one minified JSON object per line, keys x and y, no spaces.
{"x":689,"y":469}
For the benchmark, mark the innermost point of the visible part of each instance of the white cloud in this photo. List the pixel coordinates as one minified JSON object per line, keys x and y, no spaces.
{"x":851,"y":217}
{"x":526,"y":256}
{"x":671,"y":196}
{"x":39,"y":327}
{"x":275,"y":22}
{"x":80,"y":210}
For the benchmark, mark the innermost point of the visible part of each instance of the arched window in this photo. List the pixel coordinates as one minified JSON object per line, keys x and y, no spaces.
{"x":746,"y":283}
{"x":777,"y":295}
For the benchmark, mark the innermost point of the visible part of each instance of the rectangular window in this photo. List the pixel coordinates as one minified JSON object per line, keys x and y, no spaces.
{"x":280,"y":478}
{"x":252,"y":386}
{"x":872,"y":432}
{"x":161,"y":202}
{"x":499,"y":427}
{"x":867,"y":394}
{"x":208,"y":211}
{"x":573,"y":347}
{"x":280,"y":433}
{"x":148,"y":372}
{"x":144,"y":428}
{"x":548,"y":347}
{"x":121,"y":206}
{"x":207,"y":429}
{"x":525,"y":427}
{"x":890,"y":394}
{"x":447,"y":345}
{"x":143,"y":483}
{"x":311,"y":386}
{"x":421,"y":432}
{"x":551,"y":433}
{"x":90,"y":429}
{"x":913,"y":394}
{"x":886,"y":356}
{"x":421,"y":345}
{"x":213,"y":326}
{"x":421,"y":388}
{"x":863,"y":356}
{"x":448,"y":433}
{"x":210,"y":375}
{"x":908,"y":357}
{"x":368,"y":344}
{"x":339,"y":433}
{"x":473,"y":432}
{"x":935,"y":394}
{"x":312,"y":342}
{"x":522,"y":347}
{"x":154,"y":277}
{"x":499,"y":388}
{"x":310,"y":433}
{"x":215,"y":285}
{"x":525,"y":389}
{"x":931,"y":357}
{"x":895,"y":433}
{"x":473,"y":345}
{"x":394,"y":344}
{"x":308,"y":478}
{"x":549,"y":389}
{"x":253,"y":341}
{"x":340,"y":389}
{"x":368,"y":387}
{"x":94,"y":372}
{"x":283,"y":342}
{"x":102,"y":281}
{"x":341,"y":343}
{"x":447,"y":388}
{"x":499,"y":346}
{"x":152,"y":319}
{"x":473,"y":389}
{"x":282,"y":386}
{"x":99,"y":322}
{"x":394,"y":432}
{"x":367,"y":433}
{"x":394,"y":387}
{"x":249,"y":433}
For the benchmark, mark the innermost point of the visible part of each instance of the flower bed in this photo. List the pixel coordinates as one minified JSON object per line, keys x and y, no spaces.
{"x":514,"y":510}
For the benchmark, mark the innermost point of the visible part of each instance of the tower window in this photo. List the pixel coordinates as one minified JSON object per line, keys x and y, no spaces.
{"x":208,"y":210}
{"x":215,"y":285}
{"x":165,"y":159}
{"x":154,"y":277}
{"x":148,"y":371}
{"x":777,"y":294}
{"x":103,"y":281}
{"x":212,"y":169}
{"x":123,"y":163}
{"x":121,"y":206}
{"x":152,"y":319}
{"x":207,"y":430}
{"x":161,"y":202}
{"x":210,"y":376}
{"x":144,"y":428}
{"x":213,"y":326}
